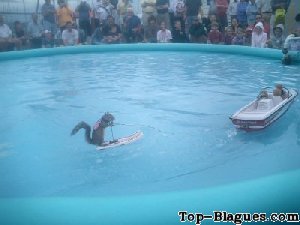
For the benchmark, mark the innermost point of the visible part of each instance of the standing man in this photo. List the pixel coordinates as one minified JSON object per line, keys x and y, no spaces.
{"x":35,"y":32}
{"x":49,"y":14}
{"x":64,"y":15}
{"x":192,"y":10}
{"x":148,"y":10}
{"x":83,"y":11}
{"x":162,"y":8}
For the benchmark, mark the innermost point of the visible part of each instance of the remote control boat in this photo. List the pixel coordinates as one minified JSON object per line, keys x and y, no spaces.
{"x":264,"y":110}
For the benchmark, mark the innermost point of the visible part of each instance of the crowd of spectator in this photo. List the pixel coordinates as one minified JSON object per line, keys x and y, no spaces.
{"x":256,"y":23}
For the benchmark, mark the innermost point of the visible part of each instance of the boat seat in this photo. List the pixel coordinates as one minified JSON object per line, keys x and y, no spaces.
{"x":277,"y":100}
{"x":264,"y":104}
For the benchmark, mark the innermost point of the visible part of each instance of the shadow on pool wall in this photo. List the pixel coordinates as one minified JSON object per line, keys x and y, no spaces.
{"x":276,"y":193}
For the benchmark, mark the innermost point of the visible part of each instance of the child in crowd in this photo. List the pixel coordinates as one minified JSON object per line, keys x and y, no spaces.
{"x":150,"y":31}
{"x":48,"y":40}
{"x":239,"y":38}
{"x":259,"y":37}
{"x":178,"y":33}
{"x":234,"y":25}
{"x":215,"y":36}
{"x":163,"y":35}
{"x":248,"y":36}
{"x":277,"y":40}
{"x":228,"y":36}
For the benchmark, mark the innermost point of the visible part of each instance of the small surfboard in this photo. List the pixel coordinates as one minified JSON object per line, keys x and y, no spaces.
{"x":121,"y":141}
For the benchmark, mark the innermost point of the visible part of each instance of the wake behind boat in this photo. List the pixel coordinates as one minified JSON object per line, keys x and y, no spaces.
{"x":264,"y":110}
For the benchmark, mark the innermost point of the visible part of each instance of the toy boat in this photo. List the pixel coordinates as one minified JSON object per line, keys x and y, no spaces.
{"x":264,"y":110}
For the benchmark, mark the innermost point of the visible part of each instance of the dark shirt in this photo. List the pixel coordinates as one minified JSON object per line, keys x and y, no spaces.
{"x":19,"y":33}
{"x":132,"y":22}
{"x":48,"y":16}
{"x":179,"y":36}
{"x":161,"y":3}
{"x":84,"y":11}
{"x":192,"y":7}
{"x":107,"y":29}
{"x":97,"y":35}
{"x":150,"y":34}
{"x":197,"y":30}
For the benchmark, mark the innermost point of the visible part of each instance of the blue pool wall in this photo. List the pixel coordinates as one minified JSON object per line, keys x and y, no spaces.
{"x":228,"y":49}
{"x":275,"y":193}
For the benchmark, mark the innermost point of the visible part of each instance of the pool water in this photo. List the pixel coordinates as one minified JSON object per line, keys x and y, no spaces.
{"x":181,"y":101}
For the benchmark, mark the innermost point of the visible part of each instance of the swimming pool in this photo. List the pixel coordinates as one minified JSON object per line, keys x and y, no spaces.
{"x":181,"y":100}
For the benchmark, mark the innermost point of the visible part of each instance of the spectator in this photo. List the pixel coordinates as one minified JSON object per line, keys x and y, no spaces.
{"x":102,"y":9}
{"x":70,"y":35}
{"x":111,"y":31}
{"x":122,"y":7}
{"x":234,"y":25}
{"x":48,"y":39}
{"x":241,"y":13}
{"x":83,"y":11}
{"x":212,"y":19}
{"x":248,"y":36}
{"x":19,"y":34}
{"x":97,"y":37}
{"x":64,"y":15}
{"x":277,"y":40}
{"x":215,"y":36}
{"x":132,"y":27}
{"x":178,"y":34}
{"x":259,"y":37}
{"x":239,"y":37}
{"x":228,"y":37}
{"x":252,"y":11}
{"x":7,"y":43}
{"x":279,"y":9}
{"x":192,"y":10}
{"x":49,"y":16}
{"x":197,"y":32}
{"x":264,"y":9}
{"x":148,"y":10}
{"x":179,"y":10}
{"x":266,"y":25}
{"x":232,"y":9}
{"x":221,"y":9}
{"x":35,"y":32}
{"x":162,"y":9}
{"x":164,"y":35}
{"x":151,"y":30}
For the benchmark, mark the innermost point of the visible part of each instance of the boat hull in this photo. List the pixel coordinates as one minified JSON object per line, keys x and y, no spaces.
{"x":258,"y":124}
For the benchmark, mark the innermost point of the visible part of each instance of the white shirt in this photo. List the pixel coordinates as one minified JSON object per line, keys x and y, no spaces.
{"x":164,"y":36}
{"x":5,"y":32}
{"x":70,"y":38}
{"x":259,"y":40}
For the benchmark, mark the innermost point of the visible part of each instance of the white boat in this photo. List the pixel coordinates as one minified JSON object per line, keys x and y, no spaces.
{"x":263,"y":111}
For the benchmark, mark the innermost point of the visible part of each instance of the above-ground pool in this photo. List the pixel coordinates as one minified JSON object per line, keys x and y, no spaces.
{"x":190,"y":157}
